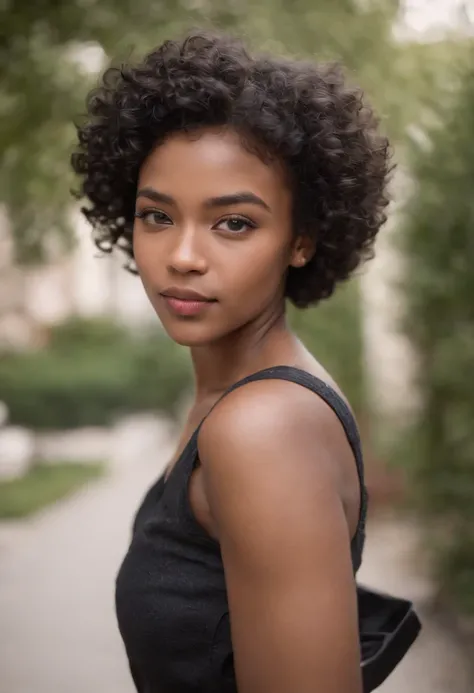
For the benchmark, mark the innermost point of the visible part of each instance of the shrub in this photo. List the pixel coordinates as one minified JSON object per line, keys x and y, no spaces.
{"x":94,"y":371}
{"x":91,"y":373}
{"x":439,"y":243}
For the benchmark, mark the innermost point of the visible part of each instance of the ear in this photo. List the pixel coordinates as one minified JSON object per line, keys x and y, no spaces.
{"x":303,"y":250}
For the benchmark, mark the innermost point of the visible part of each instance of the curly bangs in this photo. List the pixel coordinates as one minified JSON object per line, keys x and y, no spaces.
{"x":300,"y":112}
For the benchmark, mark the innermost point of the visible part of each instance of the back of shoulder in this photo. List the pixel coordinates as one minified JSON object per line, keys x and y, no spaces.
{"x":268,"y":414}
{"x":276,"y":434}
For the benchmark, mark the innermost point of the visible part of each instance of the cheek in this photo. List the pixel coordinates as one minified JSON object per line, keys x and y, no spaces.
{"x":139,"y":253}
{"x":145,"y":257}
{"x":147,"y":268}
{"x":258,"y":276}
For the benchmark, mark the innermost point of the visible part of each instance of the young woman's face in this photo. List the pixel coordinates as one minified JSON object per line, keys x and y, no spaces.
{"x":213,"y":235}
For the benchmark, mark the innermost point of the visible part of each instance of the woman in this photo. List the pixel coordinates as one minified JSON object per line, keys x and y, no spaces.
{"x":235,"y":183}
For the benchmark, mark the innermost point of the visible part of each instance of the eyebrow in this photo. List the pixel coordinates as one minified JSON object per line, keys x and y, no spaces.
{"x":238,"y":198}
{"x":156,"y":196}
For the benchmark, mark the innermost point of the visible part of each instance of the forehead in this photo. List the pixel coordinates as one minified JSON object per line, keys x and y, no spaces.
{"x":209,"y":162}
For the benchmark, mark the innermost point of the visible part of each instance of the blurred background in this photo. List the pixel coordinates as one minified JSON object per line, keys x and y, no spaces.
{"x":92,"y":391}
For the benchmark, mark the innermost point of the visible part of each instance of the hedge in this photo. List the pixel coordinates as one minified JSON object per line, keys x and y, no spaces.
{"x":92,"y":372}
{"x":439,"y":243}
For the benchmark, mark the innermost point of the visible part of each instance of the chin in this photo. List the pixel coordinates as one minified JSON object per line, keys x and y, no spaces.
{"x":189,"y":334}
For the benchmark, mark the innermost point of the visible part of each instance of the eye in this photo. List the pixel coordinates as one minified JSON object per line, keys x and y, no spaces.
{"x":153,"y":217}
{"x":236,"y":224}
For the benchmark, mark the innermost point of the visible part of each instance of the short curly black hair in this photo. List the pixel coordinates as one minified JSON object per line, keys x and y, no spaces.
{"x":300,"y":112}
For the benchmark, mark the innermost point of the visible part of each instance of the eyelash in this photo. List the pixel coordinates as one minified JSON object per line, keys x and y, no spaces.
{"x":165,"y":219}
{"x":237,"y":217}
{"x":148,"y":212}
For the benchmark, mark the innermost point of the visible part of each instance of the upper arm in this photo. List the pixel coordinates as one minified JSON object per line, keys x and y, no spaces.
{"x":273,"y":483}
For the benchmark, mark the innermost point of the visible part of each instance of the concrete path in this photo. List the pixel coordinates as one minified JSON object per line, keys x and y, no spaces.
{"x":57,"y":624}
{"x":393,"y":563}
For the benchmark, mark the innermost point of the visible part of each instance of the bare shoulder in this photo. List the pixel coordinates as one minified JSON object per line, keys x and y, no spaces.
{"x":274,"y":422}
{"x":268,"y":408}
{"x":273,"y":456}
{"x":280,"y":433}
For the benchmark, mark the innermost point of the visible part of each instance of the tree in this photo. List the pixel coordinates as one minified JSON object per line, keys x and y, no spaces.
{"x":439,"y":242}
{"x":43,"y":86}
{"x":43,"y":83}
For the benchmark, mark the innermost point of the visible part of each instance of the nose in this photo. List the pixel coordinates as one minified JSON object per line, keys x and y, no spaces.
{"x":186,"y":255}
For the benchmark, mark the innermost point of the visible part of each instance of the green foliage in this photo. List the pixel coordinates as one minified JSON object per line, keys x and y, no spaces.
{"x":93,"y":372}
{"x":43,"y":90}
{"x":44,"y":80}
{"x":439,"y":241}
{"x":43,"y":84}
{"x":42,"y":486}
{"x":332,"y":332}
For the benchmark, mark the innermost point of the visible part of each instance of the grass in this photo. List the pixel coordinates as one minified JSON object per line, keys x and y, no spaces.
{"x":43,"y":485}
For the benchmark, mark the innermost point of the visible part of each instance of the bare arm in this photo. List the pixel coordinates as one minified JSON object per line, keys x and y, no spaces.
{"x":273,"y":482}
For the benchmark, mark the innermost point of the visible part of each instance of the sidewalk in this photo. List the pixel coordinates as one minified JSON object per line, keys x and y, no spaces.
{"x":57,"y":625}
{"x":434,"y":664}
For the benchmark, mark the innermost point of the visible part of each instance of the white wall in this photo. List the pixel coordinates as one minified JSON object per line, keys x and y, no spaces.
{"x":86,"y":283}
{"x":101,"y":285}
{"x":391,"y":361}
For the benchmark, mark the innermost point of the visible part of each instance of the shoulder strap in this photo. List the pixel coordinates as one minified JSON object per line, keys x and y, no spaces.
{"x":343,"y":413}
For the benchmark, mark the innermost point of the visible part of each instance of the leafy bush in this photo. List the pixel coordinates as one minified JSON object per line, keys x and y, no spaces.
{"x":92,"y":372}
{"x":439,"y":242}
{"x":95,"y":370}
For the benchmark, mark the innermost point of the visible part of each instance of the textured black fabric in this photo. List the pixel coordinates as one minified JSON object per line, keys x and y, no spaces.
{"x":170,"y":591}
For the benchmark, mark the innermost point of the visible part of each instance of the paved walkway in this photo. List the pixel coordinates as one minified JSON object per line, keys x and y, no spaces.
{"x":57,"y":625}
{"x":434,"y":664}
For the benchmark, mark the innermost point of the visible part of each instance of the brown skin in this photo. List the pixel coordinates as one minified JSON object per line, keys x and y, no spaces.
{"x":283,"y":499}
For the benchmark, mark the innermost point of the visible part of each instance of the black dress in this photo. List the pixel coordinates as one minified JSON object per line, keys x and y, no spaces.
{"x":170,"y":592}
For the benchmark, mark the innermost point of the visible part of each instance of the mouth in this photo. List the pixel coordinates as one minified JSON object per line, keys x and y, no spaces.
{"x":186,"y":295}
{"x":185,"y":302}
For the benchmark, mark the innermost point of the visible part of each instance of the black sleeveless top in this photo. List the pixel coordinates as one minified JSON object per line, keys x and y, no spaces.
{"x":170,"y":591}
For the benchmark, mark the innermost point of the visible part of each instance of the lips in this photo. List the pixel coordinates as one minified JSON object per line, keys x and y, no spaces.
{"x":186,"y":302}
{"x":186,"y":295}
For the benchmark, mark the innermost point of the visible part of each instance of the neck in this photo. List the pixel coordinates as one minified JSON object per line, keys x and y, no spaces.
{"x":263,"y":343}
